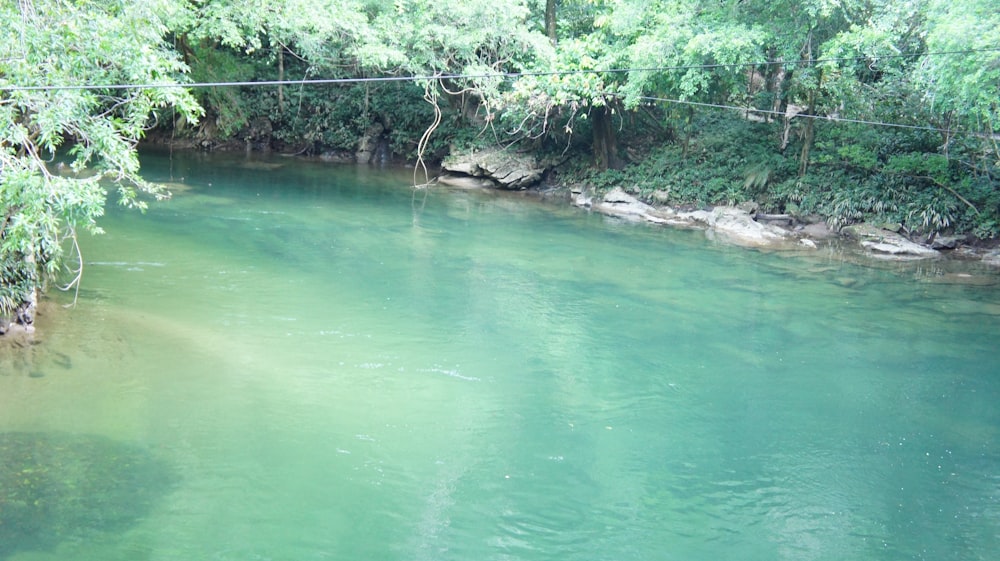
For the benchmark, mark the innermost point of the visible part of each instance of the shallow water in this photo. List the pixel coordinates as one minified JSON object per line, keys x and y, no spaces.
{"x":336,"y":367}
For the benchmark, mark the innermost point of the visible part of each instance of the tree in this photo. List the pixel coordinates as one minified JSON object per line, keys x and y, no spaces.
{"x":250,"y":40}
{"x":90,"y":132}
{"x":963,"y":87}
{"x":551,"y":27}
{"x":664,"y":44}
{"x":568,"y":87}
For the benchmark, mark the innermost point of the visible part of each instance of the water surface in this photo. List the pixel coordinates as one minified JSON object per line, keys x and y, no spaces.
{"x":336,"y":367}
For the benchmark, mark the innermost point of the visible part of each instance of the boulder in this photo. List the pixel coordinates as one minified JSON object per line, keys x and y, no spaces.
{"x":739,"y":227}
{"x":885,"y":243}
{"x":466,"y":181}
{"x":619,"y":203}
{"x":661,"y":196}
{"x":583,"y":200}
{"x":946,"y":242}
{"x":817,"y":231}
{"x":509,"y":170}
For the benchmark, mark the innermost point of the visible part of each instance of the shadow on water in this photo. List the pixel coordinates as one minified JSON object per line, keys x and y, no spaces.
{"x":58,"y":487}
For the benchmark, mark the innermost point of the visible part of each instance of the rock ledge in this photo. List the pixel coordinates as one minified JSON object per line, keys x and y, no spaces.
{"x":506,"y":169}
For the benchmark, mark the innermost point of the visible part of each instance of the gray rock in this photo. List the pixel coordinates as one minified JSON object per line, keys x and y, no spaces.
{"x":619,"y":196}
{"x":785,"y":220}
{"x":368,"y":144}
{"x":619,"y":203}
{"x":946,"y":242}
{"x":510,"y":170}
{"x":661,"y":196}
{"x":470,"y":168}
{"x":466,"y":181}
{"x":817,"y":230}
{"x":738,"y":226}
{"x":886,"y":243}
{"x":699,"y":216}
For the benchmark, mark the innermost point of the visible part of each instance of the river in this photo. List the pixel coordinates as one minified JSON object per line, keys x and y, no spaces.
{"x":331,"y":365}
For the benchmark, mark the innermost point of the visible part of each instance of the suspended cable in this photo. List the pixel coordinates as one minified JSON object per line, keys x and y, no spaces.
{"x":423,"y":78}
{"x":807,"y":116}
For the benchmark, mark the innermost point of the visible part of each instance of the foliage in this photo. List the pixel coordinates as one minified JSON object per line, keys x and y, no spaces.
{"x":862,"y":60}
{"x":273,"y":40}
{"x":860,"y":174}
{"x":966,"y":83}
{"x":57,"y":43}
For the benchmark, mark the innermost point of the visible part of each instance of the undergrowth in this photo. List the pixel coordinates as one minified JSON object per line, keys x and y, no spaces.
{"x":855,"y":174}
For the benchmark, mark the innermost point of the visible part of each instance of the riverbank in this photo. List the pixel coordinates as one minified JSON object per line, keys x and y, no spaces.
{"x":743,"y":225}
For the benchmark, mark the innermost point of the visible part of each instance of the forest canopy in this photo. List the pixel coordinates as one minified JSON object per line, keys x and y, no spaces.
{"x":850,"y":110}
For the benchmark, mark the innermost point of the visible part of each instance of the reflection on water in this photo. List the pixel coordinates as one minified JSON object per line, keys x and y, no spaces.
{"x":335,"y":368}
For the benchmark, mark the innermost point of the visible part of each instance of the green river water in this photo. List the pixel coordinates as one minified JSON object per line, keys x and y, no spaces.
{"x":298,"y":361}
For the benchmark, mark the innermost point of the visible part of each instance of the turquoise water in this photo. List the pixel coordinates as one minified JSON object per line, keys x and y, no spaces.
{"x":331,"y":366}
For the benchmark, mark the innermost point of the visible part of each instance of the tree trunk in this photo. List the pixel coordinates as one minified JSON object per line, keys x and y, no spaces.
{"x":605,"y":139}
{"x":550,"y":21}
{"x":775,"y":84}
{"x":807,"y":136}
{"x":281,"y":78}
{"x":688,"y":131}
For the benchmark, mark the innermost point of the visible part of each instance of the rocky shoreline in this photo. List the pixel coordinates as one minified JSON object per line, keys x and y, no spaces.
{"x":743,"y":225}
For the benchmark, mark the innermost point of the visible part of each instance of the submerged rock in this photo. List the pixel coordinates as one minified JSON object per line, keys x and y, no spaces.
{"x":58,"y":487}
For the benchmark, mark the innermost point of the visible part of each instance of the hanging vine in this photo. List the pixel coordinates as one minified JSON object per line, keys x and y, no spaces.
{"x":430,"y":96}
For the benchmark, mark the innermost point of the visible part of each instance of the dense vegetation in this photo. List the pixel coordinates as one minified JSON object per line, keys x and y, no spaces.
{"x":852,"y":110}
{"x":43,"y":206}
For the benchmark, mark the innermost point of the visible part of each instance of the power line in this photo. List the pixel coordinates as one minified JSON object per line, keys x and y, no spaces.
{"x":493,"y":75}
{"x":514,"y":75}
{"x":807,"y":116}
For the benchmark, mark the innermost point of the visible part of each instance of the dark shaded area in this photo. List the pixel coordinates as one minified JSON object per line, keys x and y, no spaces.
{"x":56,"y":487}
